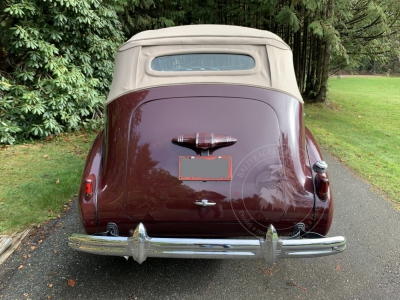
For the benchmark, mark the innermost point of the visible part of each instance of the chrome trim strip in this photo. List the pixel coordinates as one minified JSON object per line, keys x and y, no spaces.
{"x":205,"y":202}
{"x":270,"y":248}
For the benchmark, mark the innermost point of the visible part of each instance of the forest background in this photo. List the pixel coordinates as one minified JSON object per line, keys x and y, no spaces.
{"x":57,"y":56}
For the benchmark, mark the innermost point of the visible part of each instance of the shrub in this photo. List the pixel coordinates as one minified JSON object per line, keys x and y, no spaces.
{"x":57,"y":63}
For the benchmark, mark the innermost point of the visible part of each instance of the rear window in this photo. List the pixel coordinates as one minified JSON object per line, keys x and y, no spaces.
{"x":202,"y":62}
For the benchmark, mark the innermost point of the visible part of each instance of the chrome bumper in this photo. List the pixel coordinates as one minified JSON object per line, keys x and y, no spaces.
{"x":270,"y":248}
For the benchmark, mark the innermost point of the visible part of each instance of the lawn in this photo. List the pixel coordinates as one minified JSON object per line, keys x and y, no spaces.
{"x":360,"y":124}
{"x":38,"y":179}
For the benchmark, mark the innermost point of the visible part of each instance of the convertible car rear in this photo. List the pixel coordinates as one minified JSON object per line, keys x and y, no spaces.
{"x":205,"y":144}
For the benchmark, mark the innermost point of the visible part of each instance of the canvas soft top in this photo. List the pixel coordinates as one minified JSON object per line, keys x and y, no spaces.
{"x":273,"y":59}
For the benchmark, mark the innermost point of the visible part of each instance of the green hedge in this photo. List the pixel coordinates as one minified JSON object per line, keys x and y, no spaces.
{"x":57,"y":62}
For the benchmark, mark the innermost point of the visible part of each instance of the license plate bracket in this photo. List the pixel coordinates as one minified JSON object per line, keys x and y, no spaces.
{"x":204,"y":168}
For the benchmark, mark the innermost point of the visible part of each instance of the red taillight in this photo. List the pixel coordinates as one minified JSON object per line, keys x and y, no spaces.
{"x":322,"y":186}
{"x":88,"y":186}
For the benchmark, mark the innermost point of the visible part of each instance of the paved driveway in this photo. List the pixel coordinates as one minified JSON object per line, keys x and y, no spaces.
{"x":368,"y":269}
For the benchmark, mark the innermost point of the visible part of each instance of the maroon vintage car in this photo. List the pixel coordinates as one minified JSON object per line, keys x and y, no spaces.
{"x":205,"y":144}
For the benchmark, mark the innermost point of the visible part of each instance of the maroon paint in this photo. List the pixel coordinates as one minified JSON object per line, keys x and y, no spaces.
{"x":87,"y":203}
{"x":137,"y":176}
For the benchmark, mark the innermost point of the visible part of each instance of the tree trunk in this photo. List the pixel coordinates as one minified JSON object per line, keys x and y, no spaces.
{"x":310,"y":65}
{"x":303,"y":64}
{"x":3,"y":64}
{"x":323,"y":88}
{"x":319,"y":67}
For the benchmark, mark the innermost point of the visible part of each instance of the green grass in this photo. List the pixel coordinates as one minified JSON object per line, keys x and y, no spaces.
{"x":360,"y":124}
{"x":38,"y":179}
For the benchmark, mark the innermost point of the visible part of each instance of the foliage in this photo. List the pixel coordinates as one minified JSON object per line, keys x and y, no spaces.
{"x":139,"y":15}
{"x":286,"y":16}
{"x":57,"y":64}
{"x":369,"y":32}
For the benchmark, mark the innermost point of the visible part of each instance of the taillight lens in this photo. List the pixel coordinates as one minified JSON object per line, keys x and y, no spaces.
{"x":322,"y":186}
{"x":89,"y":186}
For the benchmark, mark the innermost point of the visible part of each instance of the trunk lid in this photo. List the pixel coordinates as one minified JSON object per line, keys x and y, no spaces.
{"x":256,"y":192}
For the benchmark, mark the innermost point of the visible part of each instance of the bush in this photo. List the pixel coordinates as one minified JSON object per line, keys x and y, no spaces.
{"x":57,"y":61}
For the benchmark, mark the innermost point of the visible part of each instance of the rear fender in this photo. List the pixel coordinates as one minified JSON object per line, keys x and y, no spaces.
{"x":87,"y":203}
{"x":323,"y":209}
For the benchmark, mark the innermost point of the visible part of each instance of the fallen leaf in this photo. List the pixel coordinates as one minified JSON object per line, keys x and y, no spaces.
{"x":296,"y":285}
{"x":45,"y":156}
{"x":71,"y":282}
{"x":271,"y":272}
{"x":26,"y":294}
{"x":50,"y":285}
{"x":263,"y":271}
{"x":57,"y":181}
{"x":20,"y":267}
{"x":338,"y":269}
{"x":55,"y":251}
{"x":24,"y":256}
{"x":16,"y":153}
{"x":33,"y":247}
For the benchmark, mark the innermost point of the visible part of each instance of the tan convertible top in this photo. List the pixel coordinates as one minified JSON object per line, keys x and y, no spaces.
{"x":273,"y":59}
